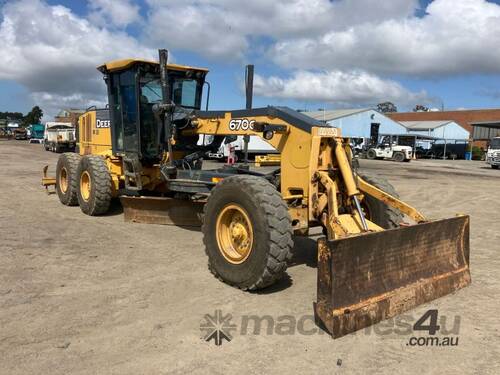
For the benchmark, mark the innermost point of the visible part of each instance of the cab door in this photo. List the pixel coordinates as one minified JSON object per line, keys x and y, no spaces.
{"x":123,"y":106}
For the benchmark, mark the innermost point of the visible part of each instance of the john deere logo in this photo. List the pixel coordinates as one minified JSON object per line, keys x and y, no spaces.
{"x":102,"y":124}
{"x":217,"y":327}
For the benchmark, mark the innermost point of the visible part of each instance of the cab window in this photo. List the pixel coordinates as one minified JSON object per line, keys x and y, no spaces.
{"x":184,"y":93}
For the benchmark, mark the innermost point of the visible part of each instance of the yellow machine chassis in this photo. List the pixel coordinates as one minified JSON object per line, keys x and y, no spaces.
{"x":365,"y":272}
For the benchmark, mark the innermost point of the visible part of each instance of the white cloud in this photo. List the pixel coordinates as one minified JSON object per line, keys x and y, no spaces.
{"x":202,"y":29}
{"x":386,"y":37}
{"x":224,"y":29}
{"x":379,"y":38}
{"x":355,"y":43}
{"x":454,"y":37}
{"x":54,"y":53}
{"x":344,"y":88}
{"x":119,"y":13}
{"x":52,"y":103}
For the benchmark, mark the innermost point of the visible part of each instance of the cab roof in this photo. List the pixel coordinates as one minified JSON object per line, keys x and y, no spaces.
{"x":123,"y":64}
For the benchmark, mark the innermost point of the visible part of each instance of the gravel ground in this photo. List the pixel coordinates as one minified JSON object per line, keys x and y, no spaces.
{"x":87,"y":295}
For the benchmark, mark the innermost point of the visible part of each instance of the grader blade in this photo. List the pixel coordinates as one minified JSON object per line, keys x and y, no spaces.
{"x":368,"y":278}
{"x":165,"y":211}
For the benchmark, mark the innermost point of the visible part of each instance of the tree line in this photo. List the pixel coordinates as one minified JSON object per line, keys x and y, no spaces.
{"x":389,"y":107}
{"x":32,"y":117}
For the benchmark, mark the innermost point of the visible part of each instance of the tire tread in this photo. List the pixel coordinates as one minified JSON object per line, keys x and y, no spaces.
{"x":394,"y":216}
{"x":72,"y":160}
{"x":101,"y":180}
{"x":279,"y":224}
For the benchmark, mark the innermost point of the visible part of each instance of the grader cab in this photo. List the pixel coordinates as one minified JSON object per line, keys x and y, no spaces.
{"x":379,"y":256}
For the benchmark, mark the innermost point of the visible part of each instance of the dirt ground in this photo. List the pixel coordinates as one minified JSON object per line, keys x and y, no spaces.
{"x":87,"y":295}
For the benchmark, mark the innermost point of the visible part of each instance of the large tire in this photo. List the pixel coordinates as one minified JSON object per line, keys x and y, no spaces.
{"x":377,"y":211}
{"x":94,"y":185}
{"x":267,"y":214}
{"x":371,"y":154}
{"x":67,"y":178}
{"x":399,"y":157}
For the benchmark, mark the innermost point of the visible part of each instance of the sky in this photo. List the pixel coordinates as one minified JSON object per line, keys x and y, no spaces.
{"x":308,"y":54}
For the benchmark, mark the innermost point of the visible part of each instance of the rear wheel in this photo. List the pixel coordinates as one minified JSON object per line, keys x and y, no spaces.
{"x":247,"y":232}
{"x":377,"y":211}
{"x":67,"y":178}
{"x":399,"y":157}
{"x":94,"y":185}
{"x":494,"y":166}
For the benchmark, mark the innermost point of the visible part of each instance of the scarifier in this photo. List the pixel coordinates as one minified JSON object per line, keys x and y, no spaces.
{"x":148,"y":149}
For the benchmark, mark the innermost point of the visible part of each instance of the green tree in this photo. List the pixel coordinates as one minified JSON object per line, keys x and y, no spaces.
{"x":11,"y":115}
{"x":387,"y":107}
{"x":420,"y":108}
{"x":33,"y":117}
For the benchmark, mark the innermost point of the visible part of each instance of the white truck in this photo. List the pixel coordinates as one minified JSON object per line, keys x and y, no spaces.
{"x":388,"y":149}
{"x":255,"y":146}
{"x":59,"y":137}
{"x":493,"y":154}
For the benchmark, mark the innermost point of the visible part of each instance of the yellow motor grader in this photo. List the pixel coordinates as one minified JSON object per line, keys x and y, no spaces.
{"x":379,"y":256}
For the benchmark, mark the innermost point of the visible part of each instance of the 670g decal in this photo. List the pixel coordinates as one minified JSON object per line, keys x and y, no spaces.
{"x":241,"y":124}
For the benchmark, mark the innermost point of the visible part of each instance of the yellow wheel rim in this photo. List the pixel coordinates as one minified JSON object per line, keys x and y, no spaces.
{"x":85,"y":186}
{"x":234,"y":234}
{"x":63,"y":180}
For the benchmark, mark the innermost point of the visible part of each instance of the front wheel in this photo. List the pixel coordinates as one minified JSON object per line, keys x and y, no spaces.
{"x":494,"y":166}
{"x":371,"y":154}
{"x":377,"y":211}
{"x":399,"y":157}
{"x":247,"y":232}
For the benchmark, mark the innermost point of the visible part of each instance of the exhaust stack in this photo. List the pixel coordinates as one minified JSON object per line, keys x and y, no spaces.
{"x":248,"y":105}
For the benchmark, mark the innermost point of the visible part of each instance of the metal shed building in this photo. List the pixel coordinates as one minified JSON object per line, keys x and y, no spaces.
{"x":466,"y":118}
{"x":358,"y":123}
{"x":443,"y":130}
{"x":485,"y":131}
